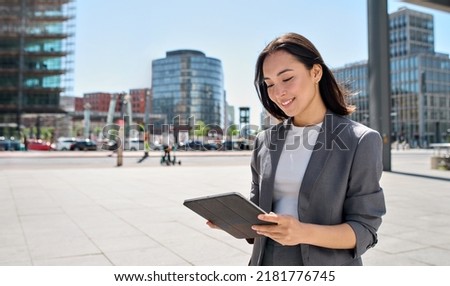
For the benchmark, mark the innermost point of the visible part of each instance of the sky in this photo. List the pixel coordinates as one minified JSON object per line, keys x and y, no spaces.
{"x":116,"y":40}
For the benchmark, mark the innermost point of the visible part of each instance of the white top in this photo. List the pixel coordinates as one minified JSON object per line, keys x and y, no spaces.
{"x":291,"y":168}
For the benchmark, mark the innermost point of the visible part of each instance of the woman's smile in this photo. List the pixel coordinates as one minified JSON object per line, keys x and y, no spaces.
{"x":286,"y":103}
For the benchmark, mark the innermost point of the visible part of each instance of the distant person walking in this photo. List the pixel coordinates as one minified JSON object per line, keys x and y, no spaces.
{"x":146,"y":148}
{"x":166,"y":157}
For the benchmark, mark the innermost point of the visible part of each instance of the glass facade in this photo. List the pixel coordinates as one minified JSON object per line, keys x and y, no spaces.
{"x":354,"y":79}
{"x":36,"y":57}
{"x":420,"y":83}
{"x":410,"y":32}
{"x":190,"y":85}
{"x":420,"y":97}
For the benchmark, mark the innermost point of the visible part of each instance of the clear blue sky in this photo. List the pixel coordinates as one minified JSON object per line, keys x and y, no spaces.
{"x":117,"y":40}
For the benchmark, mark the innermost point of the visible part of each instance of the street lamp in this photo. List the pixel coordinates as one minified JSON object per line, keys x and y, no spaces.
{"x":87,"y":119}
{"x":147,"y":109}
{"x":394,"y":116}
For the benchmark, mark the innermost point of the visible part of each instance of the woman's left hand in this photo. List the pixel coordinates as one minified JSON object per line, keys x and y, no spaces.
{"x":287,"y":231}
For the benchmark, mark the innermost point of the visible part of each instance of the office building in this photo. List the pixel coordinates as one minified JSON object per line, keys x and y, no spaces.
{"x":230,"y":120}
{"x":139,"y":98}
{"x":420,"y":82}
{"x":354,"y":78}
{"x":188,"y":85}
{"x":36,"y":59}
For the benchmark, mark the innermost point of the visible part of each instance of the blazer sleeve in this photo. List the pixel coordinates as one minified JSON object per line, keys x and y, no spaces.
{"x":255,"y":170}
{"x":254,"y":190}
{"x":365,"y":203}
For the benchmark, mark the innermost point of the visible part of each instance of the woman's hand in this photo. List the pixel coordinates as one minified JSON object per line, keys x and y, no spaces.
{"x":290,"y":231}
{"x":212,"y":225}
{"x":287,"y":231}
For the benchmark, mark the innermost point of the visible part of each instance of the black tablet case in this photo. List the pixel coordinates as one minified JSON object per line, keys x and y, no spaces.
{"x":232,"y":212}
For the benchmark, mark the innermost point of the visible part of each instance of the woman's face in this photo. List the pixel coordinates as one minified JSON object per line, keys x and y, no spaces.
{"x":294,"y":88}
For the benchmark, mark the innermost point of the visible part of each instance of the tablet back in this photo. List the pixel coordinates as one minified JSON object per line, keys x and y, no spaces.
{"x":232,"y":212}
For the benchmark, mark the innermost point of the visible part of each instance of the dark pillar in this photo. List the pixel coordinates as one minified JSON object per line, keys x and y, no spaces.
{"x":379,"y":74}
{"x":147,"y":109}
{"x":20,"y":96}
{"x":38,"y":127}
{"x":244,"y":120}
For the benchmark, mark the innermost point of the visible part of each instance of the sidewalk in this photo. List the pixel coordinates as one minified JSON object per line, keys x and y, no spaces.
{"x":134,"y":216}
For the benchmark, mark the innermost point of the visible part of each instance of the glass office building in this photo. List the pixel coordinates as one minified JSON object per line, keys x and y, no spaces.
{"x":36,"y":58}
{"x":354,"y":78}
{"x":420,"y":82}
{"x":188,"y":84}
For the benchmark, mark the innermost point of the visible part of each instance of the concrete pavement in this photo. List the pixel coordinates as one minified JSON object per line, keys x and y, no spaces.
{"x":133,"y":215}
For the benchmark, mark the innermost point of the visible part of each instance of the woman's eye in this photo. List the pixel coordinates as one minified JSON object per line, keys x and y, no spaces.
{"x":288,"y":79}
{"x":269,"y":85}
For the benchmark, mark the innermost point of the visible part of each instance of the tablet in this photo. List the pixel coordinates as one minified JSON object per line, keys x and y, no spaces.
{"x":232,"y":212}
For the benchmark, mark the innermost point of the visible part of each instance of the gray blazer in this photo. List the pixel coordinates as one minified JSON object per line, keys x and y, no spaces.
{"x":341,"y":184}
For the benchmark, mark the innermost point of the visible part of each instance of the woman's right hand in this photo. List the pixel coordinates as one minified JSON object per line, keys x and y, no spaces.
{"x":212,"y":225}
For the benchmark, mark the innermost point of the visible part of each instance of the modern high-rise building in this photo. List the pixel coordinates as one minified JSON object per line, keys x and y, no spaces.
{"x":411,"y":32}
{"x":187,"y":84}
{"x":354,"y":78}
{"x":36,"y":58}
{"x":230,"y":120}
{"x":420,"y":82}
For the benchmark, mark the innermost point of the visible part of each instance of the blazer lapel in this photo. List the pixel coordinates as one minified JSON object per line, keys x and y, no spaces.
{"x":276,"y":145}
{"x":319,"y":157}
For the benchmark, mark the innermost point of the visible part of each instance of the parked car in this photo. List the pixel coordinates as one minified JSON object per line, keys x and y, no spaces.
{"x":194,"y":145}
{"x":229,"y":145}
{"x":136,"y":144}
{"x":211,"y":146}
{"x":64,"y":143}
{"x":245,"y":145}
{"x":132,"y":145}
{"x":109,"y":145}
{"x":156,"y":146}
{"x":9,"y":144}
{"x":83,"y":145}
{"x":40,"y":145}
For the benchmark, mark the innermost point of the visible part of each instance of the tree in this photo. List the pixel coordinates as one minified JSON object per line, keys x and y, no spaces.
{"x":200,"y":129}
{"x":232,"y":130}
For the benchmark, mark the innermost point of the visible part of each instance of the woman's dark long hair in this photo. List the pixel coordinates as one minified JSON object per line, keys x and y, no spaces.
{"x":333,"y":96}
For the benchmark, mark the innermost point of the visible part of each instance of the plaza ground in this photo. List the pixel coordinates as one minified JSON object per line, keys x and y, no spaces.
{"x":80,"y":209}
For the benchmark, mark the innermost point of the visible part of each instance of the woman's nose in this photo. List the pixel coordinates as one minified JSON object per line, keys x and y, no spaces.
{"x":279,"y":91}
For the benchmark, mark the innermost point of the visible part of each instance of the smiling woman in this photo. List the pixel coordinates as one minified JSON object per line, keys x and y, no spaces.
{"x":316,"y":173}
{"x":286,"y":77}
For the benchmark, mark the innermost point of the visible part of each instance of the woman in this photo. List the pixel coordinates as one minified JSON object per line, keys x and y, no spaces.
{"x":316,"y":172}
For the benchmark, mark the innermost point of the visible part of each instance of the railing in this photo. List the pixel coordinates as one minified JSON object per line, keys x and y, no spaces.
{"x":441,"y":147}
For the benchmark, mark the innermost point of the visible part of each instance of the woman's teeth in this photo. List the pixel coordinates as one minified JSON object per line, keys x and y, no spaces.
{"x":284,"y":103}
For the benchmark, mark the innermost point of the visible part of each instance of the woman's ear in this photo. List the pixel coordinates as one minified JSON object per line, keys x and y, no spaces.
{"x":316,"y":72}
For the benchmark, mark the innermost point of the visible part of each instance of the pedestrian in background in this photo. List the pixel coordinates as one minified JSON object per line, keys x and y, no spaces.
{"x":146,"y":148}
